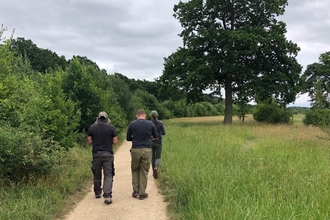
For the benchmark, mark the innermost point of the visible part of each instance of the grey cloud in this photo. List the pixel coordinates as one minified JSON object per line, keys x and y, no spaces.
{"x":133,"y":36}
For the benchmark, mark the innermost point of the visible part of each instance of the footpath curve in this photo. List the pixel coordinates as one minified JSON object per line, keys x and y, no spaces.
{"x":124,"y":206}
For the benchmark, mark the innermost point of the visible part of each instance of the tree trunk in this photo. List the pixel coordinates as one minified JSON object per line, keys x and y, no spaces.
{"x":229,"y":101}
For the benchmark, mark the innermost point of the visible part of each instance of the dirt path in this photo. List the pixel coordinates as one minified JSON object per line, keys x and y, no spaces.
{"x":124,"y":206}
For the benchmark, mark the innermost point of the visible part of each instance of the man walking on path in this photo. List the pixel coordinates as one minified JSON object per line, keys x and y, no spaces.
{"x":102,"y":136}
{"x":140,"y":132}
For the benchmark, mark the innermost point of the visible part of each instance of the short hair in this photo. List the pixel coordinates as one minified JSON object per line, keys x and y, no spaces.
{"x":140,"y":112}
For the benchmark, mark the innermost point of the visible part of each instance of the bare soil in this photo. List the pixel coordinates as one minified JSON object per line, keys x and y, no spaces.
{"x":124,"y":206}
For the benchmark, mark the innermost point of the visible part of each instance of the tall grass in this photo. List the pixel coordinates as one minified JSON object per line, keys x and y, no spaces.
{"x":49,"y":197}
{"x":245,"y":170}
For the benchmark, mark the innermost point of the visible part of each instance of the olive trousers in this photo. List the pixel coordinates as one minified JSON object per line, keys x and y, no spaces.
{"x":140,"y":165}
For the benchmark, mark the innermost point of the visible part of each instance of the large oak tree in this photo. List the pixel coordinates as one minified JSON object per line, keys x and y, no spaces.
{"x":237,"y":45}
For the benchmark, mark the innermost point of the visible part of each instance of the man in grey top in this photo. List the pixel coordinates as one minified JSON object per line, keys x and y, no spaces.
{"x":140,"y":132}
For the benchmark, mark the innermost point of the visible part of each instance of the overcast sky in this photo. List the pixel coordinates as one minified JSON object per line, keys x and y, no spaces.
{"x":133,"y":36}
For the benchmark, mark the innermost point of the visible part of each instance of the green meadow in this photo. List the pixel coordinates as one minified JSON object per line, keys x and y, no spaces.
{"x":208,"y":171}
{"x":245,"y":170}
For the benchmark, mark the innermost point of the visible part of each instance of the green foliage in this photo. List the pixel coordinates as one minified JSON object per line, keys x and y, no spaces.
{"x":317,"y":117}
{"x":91,"y":90}
{"x":201,"y":109}
{"x":41,"y":59}
{"x":298,"y":110}
{"x":23,"y":153}
{"x":77,"y":85}
{"x":123,"y":96}
{"x":177,"y":108}
{"x":110,"y":104}
{"x":209,"y":109}
{"x":220,"y":108}
{"x":198,"y":109}
{"x":137,"y":103}
{"x":316,"y":81}
{"x":133,"y":84}
{"x":242,"y":109}
{"x":37,"y":122}
{"x":149,"y":101}
{"x":270,"y":112}
{"x":164,"y":113}
{"x":57,"y":116}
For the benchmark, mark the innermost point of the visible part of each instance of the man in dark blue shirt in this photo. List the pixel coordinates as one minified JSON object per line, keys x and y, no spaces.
{"x":140,"y":132}
{"x":102,"y":136}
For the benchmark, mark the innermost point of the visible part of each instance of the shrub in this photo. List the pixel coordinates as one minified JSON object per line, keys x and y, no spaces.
{"x":177,"y":108}
{"x":317,"y":117}
{"x":220,"y":108}
{"x":210,"y":110}
{"x":271,"y":113}
{"x":24,"y":154}
{"x":199,"y":109}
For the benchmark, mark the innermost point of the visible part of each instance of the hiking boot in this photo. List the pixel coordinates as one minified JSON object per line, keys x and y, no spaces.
{"x":97,"y":196}
{"x":144,"y":196}
{"x":135,"y":194}
{"x":107,"y":201}
{"x":155,"y":173}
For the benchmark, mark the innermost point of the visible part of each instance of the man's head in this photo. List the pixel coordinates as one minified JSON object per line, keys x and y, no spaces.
{"x":102,"y":118}
{"x":102,"y":114}
{"x":141,"y":114}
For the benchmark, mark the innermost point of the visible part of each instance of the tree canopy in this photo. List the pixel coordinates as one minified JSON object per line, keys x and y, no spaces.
{"x":317,"y":81}
{"x":236,"y":45}
{"x":40,"y":59}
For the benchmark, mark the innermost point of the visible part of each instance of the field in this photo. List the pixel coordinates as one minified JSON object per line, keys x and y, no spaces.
{"x":245,"y":170}
{"x":208,"y":171}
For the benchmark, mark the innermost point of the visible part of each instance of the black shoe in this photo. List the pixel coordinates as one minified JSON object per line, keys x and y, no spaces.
{"x":107,"y":201}
{"x":97,"y":196}
{"x":135,"y":194}
{"x":144,"y":196}
{"x":155,"y":173}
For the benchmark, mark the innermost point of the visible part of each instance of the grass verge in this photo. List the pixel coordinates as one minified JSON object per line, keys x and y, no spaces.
{"x":245,"y":170}
{"x":52,"y":196}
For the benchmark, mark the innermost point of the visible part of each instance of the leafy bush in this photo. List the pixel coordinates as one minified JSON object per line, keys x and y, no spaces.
{"x":271,"y":113}
{"x":199,"y":109}
{"x":209,"y":109}
{"x":177,"y":108}
{"x":317,"y":117}
{"x":24,"y":154}
{"x":191,"y":111}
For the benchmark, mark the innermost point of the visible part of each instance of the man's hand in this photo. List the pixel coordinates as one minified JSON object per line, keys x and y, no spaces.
{"x":89,"y":139}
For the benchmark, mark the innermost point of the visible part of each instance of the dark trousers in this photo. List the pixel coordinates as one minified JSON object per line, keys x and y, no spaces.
{"x":156,"y":154}
{"x":103,"y":159}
